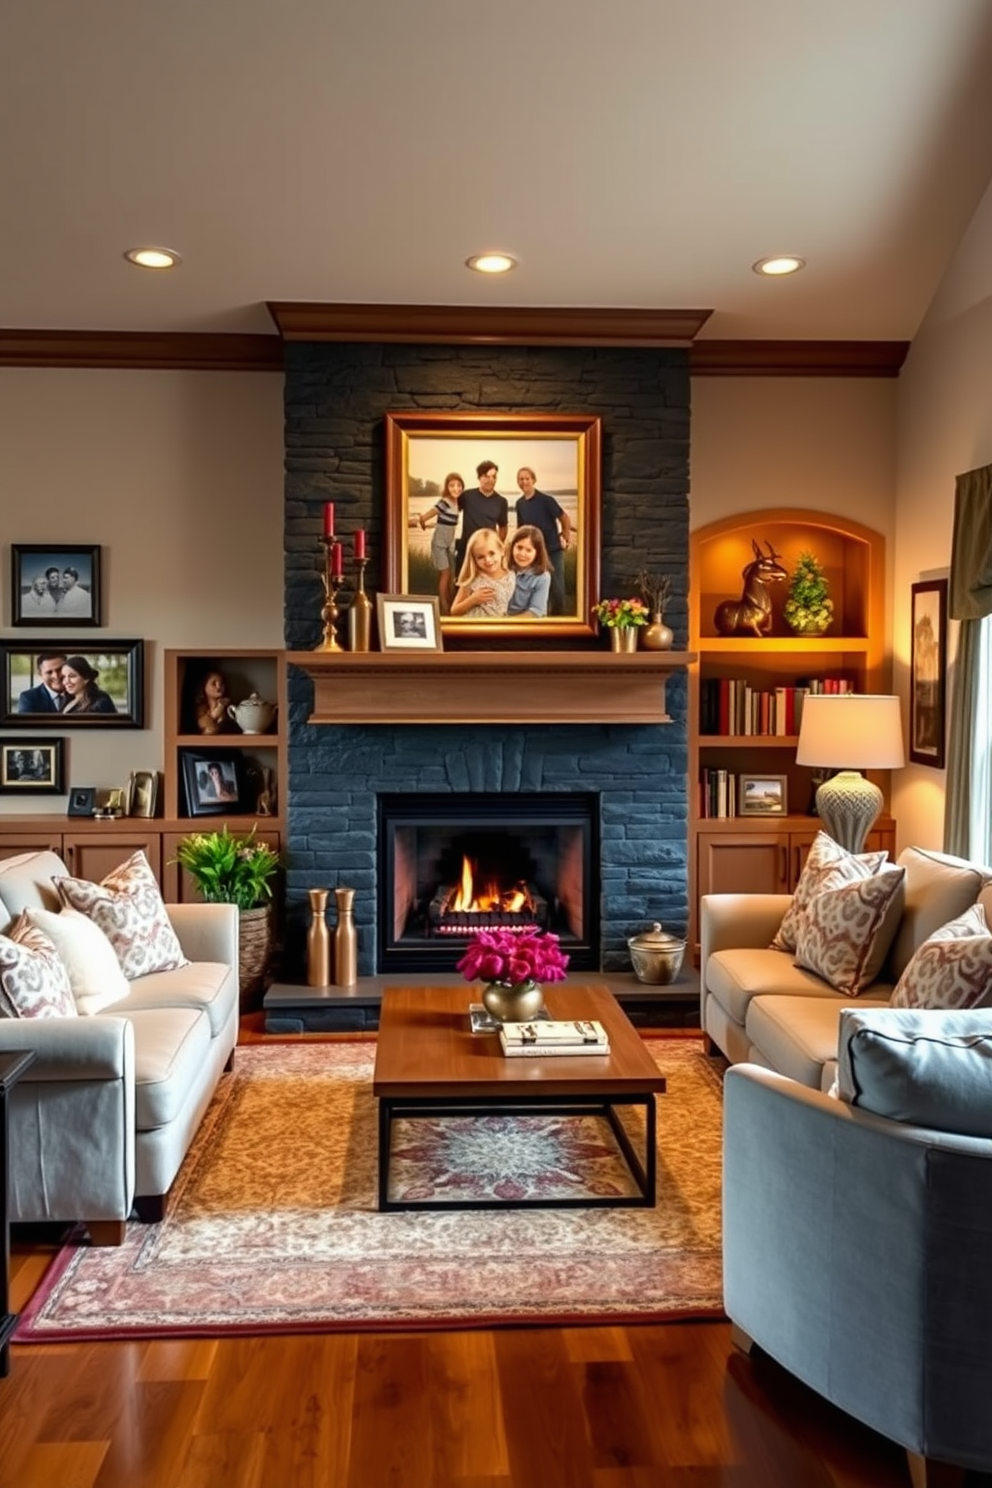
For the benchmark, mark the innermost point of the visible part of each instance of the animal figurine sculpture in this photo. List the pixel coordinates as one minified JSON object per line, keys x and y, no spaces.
{"x":752,"y":613}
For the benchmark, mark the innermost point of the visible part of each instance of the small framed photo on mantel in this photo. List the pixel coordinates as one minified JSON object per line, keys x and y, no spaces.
{"x":409,"y":622}
{"x":55,"y":584}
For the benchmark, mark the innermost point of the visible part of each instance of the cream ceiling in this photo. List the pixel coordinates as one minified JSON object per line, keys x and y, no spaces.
{"x":634,"y":153}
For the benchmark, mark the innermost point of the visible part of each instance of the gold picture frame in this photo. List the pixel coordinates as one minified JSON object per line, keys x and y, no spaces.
{"x":562,"y":452}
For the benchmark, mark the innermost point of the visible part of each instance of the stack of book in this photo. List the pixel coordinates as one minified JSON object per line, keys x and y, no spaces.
{"x":548,"y":1038}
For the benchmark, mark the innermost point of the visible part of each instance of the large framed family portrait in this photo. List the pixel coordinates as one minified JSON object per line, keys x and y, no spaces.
{"x":74,"y":683}
{"x":498,"y":515}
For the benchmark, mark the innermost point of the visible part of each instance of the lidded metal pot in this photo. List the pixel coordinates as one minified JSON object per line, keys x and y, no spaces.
{"x":656,"y":955}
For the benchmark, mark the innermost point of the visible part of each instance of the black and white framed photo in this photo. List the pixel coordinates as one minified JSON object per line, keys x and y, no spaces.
{"x":82,"y":800}
{"x":55,"y":584}
{"x":214,"y":783}
{"x":74,"y":683}
{"x":409,"y":622}
{"x":762,"y":795}
{"x":32,"y":767}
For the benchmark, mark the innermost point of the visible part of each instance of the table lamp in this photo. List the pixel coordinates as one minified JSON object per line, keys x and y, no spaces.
{"x":850,"y":732}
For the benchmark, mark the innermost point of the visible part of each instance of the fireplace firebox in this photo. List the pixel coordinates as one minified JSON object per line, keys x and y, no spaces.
{"x":452,"y":864}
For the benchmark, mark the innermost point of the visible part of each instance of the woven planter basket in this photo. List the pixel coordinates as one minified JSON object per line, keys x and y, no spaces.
{"x":255,"y":942}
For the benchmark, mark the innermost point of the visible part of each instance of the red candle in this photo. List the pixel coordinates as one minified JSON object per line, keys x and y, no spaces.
{"x":360,"y":543}
{"x":328,"y":518}
{"x":337,"y":559}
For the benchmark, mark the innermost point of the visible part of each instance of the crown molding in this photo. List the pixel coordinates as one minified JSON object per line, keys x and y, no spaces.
{"x":518,"y":325}
{"x":797,"y":358}
{"x":146,"y":350}
{"x":221,"y":352}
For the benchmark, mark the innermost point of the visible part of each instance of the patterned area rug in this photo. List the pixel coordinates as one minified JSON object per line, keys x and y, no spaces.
{"x":273,"y":1226}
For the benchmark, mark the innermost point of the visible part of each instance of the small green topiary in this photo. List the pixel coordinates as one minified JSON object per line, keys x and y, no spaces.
{"x":808,"y":610}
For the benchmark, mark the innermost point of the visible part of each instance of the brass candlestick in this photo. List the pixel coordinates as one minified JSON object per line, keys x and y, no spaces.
{"x":330,"y":614}
{"x":360,"y":613}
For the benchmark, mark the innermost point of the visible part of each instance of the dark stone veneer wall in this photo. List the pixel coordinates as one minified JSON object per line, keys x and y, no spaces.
{"x":336,"y":396}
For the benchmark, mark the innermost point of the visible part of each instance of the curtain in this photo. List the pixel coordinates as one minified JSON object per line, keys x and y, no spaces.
{"x":968,"y":805}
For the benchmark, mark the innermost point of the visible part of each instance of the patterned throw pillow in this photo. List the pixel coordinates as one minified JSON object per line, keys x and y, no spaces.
{"x":952,"y":968}
{"x":127,"y":906}
{"x":846,"y":931}
{"x":825,"y":857}
{"x":95,"y":974}
{"x":33,"y":981}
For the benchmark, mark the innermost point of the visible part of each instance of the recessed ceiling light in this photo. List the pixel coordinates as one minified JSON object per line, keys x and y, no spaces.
{"x":491,"y":263}
{"x":779,"y":263}
{"x":153,"y":258}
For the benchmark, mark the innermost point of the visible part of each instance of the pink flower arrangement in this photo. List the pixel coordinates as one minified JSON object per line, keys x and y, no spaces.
{"x":505,"y":956}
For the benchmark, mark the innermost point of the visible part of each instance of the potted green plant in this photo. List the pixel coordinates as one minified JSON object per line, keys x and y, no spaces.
{"x":239,"y":870}
{"x":808,"y":610}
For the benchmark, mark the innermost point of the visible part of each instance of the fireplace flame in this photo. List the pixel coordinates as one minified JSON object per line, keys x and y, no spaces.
{"x":466,"y":898}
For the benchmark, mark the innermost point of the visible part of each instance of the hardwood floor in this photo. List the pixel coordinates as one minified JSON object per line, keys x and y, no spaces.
{"x":667,"y":1406}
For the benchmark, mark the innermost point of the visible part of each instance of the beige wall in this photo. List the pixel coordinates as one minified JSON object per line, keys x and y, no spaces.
{"x":179,"y":477}
{"x":944,"y":428}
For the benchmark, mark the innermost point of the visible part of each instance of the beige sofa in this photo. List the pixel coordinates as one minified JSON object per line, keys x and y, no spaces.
{"x":102,"y":1121}
{"x":757,"y":1006}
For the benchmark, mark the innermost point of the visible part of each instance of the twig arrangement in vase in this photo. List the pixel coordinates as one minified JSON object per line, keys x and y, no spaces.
{"x":656,"y":591}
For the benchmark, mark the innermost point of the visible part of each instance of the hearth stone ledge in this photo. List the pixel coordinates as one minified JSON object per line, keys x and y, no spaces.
{"x":294,"y":1008}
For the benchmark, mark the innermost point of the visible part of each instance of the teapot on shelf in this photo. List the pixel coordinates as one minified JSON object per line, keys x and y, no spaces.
{"x":254,"y":715}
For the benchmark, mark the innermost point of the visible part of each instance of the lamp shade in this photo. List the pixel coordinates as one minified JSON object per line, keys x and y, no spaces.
{"x":860,"y":731}
{"x":850,"y":732}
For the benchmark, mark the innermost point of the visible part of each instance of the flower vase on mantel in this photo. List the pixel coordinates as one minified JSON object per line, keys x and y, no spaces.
{"x":623,"y":638}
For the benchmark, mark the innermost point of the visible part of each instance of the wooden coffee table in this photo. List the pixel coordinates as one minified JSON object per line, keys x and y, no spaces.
{"x":428,"y":1063}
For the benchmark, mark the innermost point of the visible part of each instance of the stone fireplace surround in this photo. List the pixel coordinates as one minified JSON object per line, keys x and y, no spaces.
{"x":336,"y":396}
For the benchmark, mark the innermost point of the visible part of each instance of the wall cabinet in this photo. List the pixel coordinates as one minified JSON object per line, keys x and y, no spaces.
{"x":737,"y":853}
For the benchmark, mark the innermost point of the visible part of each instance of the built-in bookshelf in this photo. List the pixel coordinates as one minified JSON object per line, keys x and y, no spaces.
{"x":746,"y":692}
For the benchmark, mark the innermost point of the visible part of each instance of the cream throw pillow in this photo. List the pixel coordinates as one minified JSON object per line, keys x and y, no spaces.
{"x":846,"y":931}
{"x":33,"y":981}
{"x":825,"y":857}
{"x":952,"y":968}
{"x":95,"y":975}
{"x":128,"y":907}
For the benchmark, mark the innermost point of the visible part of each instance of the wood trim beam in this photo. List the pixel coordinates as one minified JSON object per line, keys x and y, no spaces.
{"x":144,"y":350}
{"x":519,"y":325}
{"x":797,"y":358}
{"x":564,"y":687}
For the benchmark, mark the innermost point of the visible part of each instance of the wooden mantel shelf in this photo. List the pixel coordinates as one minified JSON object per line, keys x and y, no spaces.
{"x":489,"y":686}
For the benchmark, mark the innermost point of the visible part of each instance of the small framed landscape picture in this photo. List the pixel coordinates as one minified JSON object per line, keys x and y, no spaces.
{"x":213,"y":783}
{"x":762,"y":795}
{"x":55,"y":584}
{"x":409,"y":622}
{"x":32,"y":767}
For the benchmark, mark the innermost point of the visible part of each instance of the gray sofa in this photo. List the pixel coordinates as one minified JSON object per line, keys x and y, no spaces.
{"x":101,"y":1123}
{"x":757,"y":1006}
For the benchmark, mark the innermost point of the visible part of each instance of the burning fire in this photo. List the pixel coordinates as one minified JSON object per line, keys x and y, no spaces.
{"x":467,"y":899}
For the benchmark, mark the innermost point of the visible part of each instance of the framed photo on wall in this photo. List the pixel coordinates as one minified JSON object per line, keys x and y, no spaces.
{"x":927,"y":672}
{"x":458,"y":482}
{"x":54,"y":584}
{"x":74,"y":684}
{"x":32,"y":767}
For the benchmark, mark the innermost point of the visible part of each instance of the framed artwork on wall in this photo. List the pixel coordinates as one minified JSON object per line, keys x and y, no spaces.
{"x":32,"y":767}
{"x":927,"y":672}
{"x":75,"y":684}
{"x":507,"y":502}
{"x":55,"y":584}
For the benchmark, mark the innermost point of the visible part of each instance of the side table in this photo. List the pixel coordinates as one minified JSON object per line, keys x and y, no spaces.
{"x":12,"y":1067}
